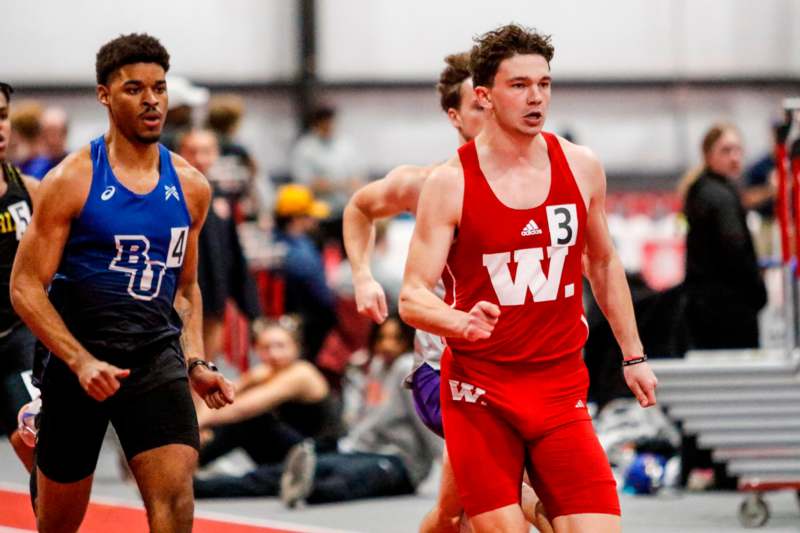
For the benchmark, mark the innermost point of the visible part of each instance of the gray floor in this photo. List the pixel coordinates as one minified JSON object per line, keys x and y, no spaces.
{"x":688,"y":513}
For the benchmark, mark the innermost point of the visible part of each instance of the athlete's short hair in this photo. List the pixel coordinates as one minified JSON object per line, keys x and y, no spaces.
{"x":126,"y":50}
{"x":493,"y":47}
{"x":450,"y":80}
{"x":7,"y":90}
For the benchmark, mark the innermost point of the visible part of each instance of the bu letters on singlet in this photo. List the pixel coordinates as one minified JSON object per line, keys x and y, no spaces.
{"x":562,"y":222}
{"x":144,"y":274}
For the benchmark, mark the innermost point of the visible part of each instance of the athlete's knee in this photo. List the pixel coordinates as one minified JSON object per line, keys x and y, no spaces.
{"x":437,"y":521}
{"x":588,"y":523}
{"x":508,"y":519}
{"x":58,"y":517}
{"x":60,"y":507}
{"x":60,"y":524}
{"x":172,"y":507}
{"x":448,"y":504}
{"x":179,"y":498}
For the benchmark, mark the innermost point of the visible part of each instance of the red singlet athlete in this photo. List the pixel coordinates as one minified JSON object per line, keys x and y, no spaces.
{"x":510,"y":222}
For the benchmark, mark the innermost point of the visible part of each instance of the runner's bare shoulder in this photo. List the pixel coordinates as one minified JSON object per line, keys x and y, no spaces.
{"x":195,"y":186}
{"x":66,"y":187}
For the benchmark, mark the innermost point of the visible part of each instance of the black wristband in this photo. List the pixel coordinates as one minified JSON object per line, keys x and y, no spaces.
{"x":196,"y":361}
{"x":634,"y":361}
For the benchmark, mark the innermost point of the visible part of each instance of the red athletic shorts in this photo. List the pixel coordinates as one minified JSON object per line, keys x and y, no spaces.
{"x":497,"y":417}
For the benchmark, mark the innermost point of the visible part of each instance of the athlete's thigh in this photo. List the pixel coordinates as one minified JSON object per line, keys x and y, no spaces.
{"x":486,"y":453}
{"x":155,"y":417}
{"x":71,"y":427}
{"x":448,"y":501}
{"x":16,"y":358}
{"x":165,"y":472}
{"x":61,"y":506}
{"x":570,"y":471}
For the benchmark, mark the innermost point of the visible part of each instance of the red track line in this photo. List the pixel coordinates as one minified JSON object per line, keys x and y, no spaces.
{"x":15,"y":512}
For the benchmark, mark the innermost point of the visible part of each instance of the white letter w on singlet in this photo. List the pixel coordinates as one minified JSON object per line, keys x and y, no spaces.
{"x":529,"y":274}
{"x":465,"y":392}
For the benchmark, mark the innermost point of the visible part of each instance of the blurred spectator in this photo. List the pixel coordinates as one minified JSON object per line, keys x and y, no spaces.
{"x":237,"y":172}
{"x":184,"y":97}
{"x":224,"y":116}
{"x":758,"y":194}
{"x":222,"y":269}
{"x":723,"y":284}
{"x":327,"y":162}
{"x":352,"y":329}
{"x":330,"y":165}
{"x":279,"y":402}
{"x":306,"y":291}
{"x":388,"y":452}
{"x":53,"y":141}
{"x":26,"y":130}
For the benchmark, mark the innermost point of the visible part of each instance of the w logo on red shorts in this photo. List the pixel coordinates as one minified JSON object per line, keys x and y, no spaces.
{"x":465,"y":392}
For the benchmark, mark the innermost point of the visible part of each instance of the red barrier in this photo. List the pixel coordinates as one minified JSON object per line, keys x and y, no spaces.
{"x":795,"y":167}
{"x":781,"y":202}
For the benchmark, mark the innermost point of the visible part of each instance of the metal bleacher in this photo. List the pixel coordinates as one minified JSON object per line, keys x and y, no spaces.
{"x":743,"y":406}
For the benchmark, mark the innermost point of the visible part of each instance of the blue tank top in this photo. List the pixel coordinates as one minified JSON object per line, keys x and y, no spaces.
{"x":119,"y":271}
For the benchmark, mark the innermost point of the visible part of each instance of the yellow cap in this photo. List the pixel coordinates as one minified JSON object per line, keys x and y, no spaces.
{"x":298,"y":200}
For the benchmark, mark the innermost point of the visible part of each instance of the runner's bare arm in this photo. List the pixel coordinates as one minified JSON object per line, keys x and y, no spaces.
{"x":188,"y":300}
{"x":438,"y":215}
{"x":60,"y":199}
{"x":215,"y":390}
{"x":606,"y":275}
{"x":396,"y":193}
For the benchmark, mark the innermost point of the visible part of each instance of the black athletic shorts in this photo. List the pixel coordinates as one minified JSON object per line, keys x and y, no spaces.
{"x":16,"y":359}
{"x":147,"y":411}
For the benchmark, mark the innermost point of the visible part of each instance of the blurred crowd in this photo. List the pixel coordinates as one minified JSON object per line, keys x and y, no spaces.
{"x":316,"y":379}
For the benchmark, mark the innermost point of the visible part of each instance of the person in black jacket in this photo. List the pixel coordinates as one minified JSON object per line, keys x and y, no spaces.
{"x":222,"y":269}
{"x":724,"y":287}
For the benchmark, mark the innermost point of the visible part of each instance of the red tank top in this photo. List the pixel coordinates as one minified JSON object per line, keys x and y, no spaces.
{"x":528,"y":261}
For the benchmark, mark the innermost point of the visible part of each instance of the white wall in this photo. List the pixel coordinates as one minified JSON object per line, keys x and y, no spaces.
{"x":55,"y":41}
{"x":631,"y":130}
{"x":371,"y":39}
{"x":52,"y":41}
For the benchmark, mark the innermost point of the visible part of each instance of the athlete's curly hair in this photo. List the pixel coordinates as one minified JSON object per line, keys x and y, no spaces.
{"x":7,"y":90}
{"x":493,"y":47}
{"x":128,"y":49}
{"x":450,"y":80}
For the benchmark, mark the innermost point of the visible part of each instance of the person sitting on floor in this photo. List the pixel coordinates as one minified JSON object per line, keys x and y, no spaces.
{"x":279,"y":402}
{"x":388,"y":451}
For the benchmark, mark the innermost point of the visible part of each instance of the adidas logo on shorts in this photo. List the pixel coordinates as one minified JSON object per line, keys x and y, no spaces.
{"x":531,"y":229}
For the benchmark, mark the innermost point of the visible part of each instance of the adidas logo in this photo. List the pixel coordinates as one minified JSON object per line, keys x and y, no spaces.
{"x":580,"y":404}
{"x":531,"y":229}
